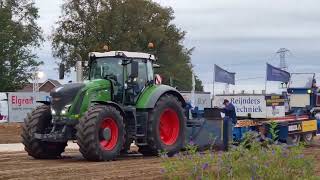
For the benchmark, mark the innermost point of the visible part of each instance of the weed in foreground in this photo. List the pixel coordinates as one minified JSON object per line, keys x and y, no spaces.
{"x":252,"y":159}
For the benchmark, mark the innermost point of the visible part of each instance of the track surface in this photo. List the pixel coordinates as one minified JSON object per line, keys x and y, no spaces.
{"x":10,"y":133}
{"x":18,"y":165}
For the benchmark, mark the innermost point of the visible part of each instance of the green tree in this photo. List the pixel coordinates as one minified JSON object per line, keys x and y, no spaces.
{"x":87,"y":25}
{"x":19,"y":33}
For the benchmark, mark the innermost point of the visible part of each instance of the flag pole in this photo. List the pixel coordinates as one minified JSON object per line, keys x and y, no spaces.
{"x":265,"y":81}
{"x":213,"y":83}
{"x":265,"y":86}
{"x":212,"y":90}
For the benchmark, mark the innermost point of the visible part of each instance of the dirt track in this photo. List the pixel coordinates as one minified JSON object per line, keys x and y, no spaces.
{"x":17,"y":165}
{"x":10,"y":133}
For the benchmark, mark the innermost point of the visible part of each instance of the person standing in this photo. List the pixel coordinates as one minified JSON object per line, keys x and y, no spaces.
{"x":230,"y":111}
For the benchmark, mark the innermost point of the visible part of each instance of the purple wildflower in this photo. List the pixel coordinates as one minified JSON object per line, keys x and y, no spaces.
{"x":191,"y":143}
{"x":162,"y":171}
{"x":205,"y":166}
{"x":300,"y":156}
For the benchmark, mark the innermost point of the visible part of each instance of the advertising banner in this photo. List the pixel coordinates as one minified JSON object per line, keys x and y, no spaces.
{"x":3,"y":107}
{"x":201,"y":100}
{"x":22,"y":103}
{"x":255,"y":105}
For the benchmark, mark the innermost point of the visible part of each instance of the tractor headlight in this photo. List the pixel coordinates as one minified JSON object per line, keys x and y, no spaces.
{"x":63,"y":112}
{"x":53,"y":112}
{"x":65,"y":109}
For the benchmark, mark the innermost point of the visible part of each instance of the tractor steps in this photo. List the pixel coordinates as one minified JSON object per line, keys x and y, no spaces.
{"x":141,"y":128}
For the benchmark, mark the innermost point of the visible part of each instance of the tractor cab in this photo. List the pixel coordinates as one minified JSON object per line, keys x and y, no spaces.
{"x":129,"y":72}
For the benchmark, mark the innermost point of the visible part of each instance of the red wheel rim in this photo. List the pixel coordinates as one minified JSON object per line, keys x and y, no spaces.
{"x":110,"y":124}
{"x":169,"y":127}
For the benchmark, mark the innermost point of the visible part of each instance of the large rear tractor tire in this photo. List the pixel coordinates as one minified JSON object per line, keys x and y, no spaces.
{"x":101,"y":133}
{"x":166,"y":127}
{"x":38,"y":121}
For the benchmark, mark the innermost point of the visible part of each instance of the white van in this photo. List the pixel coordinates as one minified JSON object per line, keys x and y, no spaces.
{"x":3,"y":107}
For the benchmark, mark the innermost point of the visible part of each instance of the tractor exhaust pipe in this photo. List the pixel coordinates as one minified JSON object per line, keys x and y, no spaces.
{"x":79,"y":69}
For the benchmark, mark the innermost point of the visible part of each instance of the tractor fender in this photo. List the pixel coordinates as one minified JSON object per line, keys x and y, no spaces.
{"x":113,"y":104}
{"x":151,"y":95}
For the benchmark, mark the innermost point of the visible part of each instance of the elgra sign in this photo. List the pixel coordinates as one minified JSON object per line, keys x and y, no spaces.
{"x":22,"y":101}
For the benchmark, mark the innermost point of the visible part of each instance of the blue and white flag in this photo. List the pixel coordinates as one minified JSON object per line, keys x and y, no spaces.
{"x":277,"y":74}
{"x":223,"y":76}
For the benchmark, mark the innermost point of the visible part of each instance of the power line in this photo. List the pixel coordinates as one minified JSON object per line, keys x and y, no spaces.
{"x":249,"y":62}
{"x":244,"y":79}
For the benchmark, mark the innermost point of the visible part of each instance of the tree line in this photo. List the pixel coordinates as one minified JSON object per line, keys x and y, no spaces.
{"x":88,"y":25}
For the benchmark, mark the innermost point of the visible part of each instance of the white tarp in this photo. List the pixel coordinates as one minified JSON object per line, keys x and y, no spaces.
{"x":201,"y":100}
{"x":3,"y":108}
{"x":21,"y":103}
{"x":254,"y":104}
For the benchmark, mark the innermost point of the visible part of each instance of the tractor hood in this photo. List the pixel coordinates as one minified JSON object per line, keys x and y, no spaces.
{"x":77,"y":95}
{"x":64,"y":95}
{"x":97,"y":83}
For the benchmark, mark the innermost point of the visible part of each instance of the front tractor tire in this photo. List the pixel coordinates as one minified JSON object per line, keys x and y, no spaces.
{"x":101,"y":133}
{"x":166,"y":127}
{"x":38,"y":121}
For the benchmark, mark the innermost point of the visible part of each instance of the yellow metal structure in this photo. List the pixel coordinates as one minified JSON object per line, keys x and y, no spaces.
{"x":309,"y":125}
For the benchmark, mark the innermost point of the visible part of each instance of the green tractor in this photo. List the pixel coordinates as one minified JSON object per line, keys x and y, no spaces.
{"x":118,"y":105}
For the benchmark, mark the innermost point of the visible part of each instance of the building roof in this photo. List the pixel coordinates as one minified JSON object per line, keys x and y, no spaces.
{"x":124,"y":54}
{"x":52,"y":81}
{"x":29,"y":86}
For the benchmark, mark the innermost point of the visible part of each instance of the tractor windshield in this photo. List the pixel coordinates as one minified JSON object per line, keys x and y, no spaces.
{"x":110,"y":68}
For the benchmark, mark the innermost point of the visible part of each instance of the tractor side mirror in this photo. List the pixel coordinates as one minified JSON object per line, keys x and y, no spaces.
{"x":61,"y":71}
{"x":134,"y":69}
{"x":156,"y":66}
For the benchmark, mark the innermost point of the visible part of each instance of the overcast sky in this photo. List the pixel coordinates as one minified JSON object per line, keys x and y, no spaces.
{"x":239,"y":35}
